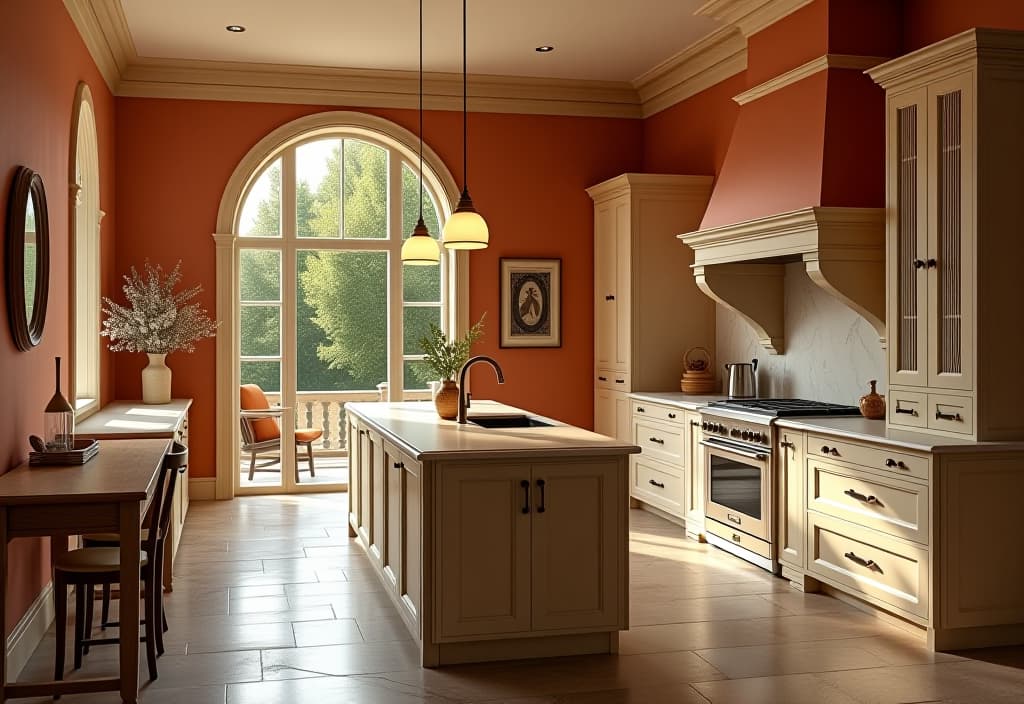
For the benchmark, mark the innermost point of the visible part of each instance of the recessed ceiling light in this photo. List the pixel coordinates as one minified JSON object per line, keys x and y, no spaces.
{"x":544,"y":49}
{"x":235,"y":28}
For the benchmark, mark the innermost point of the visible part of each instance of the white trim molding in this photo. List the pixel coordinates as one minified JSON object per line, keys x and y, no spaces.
{"x":29,"y":632}
{"x":812,"y":67}
{"x":711,"y":60}
{"x":843,"y":251}
{"x":750,"y":16}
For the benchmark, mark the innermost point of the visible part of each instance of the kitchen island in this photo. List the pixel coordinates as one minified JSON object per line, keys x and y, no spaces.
{"x":493,"y":543}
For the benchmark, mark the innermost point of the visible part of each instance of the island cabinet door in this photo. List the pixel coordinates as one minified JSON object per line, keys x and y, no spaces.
{"x":379,"y":490}
{"x":577,"y":525}
{"x":365,"y":470}
{"x":354,"y":437}
{"x":482,"y":552}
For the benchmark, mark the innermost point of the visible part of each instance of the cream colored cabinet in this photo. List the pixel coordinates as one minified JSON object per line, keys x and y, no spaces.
{"x":354,"y":441}
{"x":521,"y":567}
{"x":953,"y":186}
{"x":646,"y":314}
{"x":693,"y":467}
{"x":790,"y":472}
{"x":611,"y":414}
{"x":401,"y":559}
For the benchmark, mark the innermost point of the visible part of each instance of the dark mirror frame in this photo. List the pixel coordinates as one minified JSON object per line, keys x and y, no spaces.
{"x":27,"y":333}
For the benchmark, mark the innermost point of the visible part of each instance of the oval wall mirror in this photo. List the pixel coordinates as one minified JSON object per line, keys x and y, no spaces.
{"x":28,"y":258}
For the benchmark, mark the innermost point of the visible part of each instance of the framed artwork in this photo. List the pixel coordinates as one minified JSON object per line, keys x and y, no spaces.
{"x":531,"y":302}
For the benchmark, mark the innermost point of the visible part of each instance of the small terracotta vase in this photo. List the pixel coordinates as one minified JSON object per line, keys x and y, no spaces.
{"x":872,"y":404}
{"x":446,"y":400}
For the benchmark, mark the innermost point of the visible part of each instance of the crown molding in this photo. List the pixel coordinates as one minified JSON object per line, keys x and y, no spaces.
{"x":673,"y":185}
{"x":822,"y":63}
{"x":750,"y":16}
{"x":696,"y":68}
{"x":103,"y":28}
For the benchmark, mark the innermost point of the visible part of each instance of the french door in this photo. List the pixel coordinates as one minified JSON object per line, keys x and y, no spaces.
{"x":327,"y":313}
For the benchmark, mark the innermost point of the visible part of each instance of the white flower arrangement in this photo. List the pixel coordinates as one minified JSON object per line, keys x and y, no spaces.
{"x":157,"y":320}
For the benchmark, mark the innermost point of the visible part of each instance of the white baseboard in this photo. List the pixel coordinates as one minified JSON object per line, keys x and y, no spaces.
{"x":29,"y":632}
{"x":202,"y":489}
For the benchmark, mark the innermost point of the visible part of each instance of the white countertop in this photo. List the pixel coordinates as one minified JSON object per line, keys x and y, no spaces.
{"x":858,"y":428}
{"x":417,"y":429}
{"x":690,"y":402}
{"x":134,"y":419}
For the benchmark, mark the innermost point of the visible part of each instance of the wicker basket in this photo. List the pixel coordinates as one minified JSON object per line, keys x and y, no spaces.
{"x":697,"y":375}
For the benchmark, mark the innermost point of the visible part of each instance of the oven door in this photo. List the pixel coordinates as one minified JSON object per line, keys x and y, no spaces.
{"x":737,"y":482}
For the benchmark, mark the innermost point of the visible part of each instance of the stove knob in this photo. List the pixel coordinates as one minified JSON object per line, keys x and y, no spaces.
{"x":759,"y":437}
{"x":735,"y":432}
{"x":746,"y":434}
{"x":713,"y":427}
{"x":704,"y":425}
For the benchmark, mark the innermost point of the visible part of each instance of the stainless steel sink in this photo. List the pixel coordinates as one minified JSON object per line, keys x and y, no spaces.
{"x":509,"y":421}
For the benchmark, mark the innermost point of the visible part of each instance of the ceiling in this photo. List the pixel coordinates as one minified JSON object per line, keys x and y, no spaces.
{"x":607,"y":40}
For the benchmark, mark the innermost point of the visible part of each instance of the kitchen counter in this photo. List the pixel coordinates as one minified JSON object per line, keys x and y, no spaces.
{"x":690,"y":402}
{"x":493,"y":544}
{"x":858,"y":428}
{"x":416,"y":428}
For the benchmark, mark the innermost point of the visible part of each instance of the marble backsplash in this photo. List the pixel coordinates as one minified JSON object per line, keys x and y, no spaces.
{"x":830,"y":354}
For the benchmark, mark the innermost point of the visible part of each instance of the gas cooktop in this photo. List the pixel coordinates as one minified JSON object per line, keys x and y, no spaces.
{"x":785,"y":407}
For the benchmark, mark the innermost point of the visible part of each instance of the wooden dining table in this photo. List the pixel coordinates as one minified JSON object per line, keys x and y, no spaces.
{"x":110,"y":493}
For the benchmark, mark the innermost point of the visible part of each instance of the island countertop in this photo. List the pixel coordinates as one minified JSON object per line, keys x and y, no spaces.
{"x":417,"y":429}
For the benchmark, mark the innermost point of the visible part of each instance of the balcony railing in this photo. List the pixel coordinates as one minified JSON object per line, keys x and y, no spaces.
{"x":325,"y":410}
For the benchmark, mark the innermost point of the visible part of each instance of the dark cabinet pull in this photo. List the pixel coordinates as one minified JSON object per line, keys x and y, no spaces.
{"x":826,"y":450}
{"x":890,"y":462}
{"x":694,"y":423}
{"x":672,"y":415}
{"x":834,"y":452}
{"x":657,"y":484}
{"x":939,"y":415}
{"x":657,"y":440}
{"x":640,"y":409}
{"x":918,"y":263}
{"x":620,"y":381}
{"x":870,"y":564}
{"x":931,"y":264}
{"x":399,"y":465}
{"x":602,"y":378}
{"x":609,"y":297}
{"x":736,"y":537}
{"x":541,"y":508}
{"x":861,"y":497}
{"x":905,"y":411}
{"x":526,"y":495}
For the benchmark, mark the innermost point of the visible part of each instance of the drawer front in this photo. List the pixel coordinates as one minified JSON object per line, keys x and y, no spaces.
{"x":665,"y":414}
{"x":887,"y":504}
{"x":908,"y":408}
{"x":660,"y":441}
{"x":953,"y":414}
{"x":901,"y":464}
{"x":761,"y":547}
{"x":868,"y":563}
{"x":656,"y":484}
{"x":611,"y":379}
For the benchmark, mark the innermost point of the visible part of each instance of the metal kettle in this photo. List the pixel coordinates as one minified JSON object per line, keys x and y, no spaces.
{"x":742,"y":379}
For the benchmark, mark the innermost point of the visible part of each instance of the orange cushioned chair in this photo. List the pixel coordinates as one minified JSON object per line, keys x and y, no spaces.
{"x":261,"y":433}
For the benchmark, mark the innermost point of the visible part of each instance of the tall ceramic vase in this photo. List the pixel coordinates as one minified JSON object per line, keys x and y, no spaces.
{"x":156,"y":380}
{"x":446,"y":400}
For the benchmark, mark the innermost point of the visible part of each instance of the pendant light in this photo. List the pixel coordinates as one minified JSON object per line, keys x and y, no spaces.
{"x":466,"y":228}
{"x":420,"y":249}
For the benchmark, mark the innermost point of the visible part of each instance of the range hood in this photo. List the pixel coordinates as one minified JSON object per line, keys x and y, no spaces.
{"x":803,"y":180}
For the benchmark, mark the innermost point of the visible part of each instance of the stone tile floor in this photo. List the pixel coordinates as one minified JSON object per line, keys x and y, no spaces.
{"x":273,"y":603}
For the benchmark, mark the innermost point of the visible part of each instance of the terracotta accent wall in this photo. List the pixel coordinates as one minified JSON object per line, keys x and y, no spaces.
{"x":43,"y":60}
{"x":528,"y":173}
{"x":792,"y":41}
{"x":927,"y":21}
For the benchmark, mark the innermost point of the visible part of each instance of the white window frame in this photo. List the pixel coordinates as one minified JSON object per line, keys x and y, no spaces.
{"x":84,"y":229}
{"x":281,"y":143}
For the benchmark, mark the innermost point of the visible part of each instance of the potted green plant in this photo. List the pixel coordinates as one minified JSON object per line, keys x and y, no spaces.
{"x":442,"y":360}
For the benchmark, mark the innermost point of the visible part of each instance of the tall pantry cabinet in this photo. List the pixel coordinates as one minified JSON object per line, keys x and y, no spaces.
{"x":955,"y":235}
{"x":647,"y":308}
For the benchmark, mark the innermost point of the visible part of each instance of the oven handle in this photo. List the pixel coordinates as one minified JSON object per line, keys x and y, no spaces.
{"x":711,"y":444}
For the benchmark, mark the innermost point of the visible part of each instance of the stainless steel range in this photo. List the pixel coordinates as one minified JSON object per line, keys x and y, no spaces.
{"x":739,"y":501}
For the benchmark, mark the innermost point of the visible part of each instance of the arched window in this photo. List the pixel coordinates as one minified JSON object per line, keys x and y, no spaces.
{"x":85,"y":219}
{"x":323,"y":310}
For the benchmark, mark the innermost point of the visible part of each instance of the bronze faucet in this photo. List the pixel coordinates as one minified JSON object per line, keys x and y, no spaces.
{"x":464,"y":398}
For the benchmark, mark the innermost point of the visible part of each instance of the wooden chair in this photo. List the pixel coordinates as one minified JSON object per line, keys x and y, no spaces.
{"x":261,"y":432}
{"x":86,"y":567}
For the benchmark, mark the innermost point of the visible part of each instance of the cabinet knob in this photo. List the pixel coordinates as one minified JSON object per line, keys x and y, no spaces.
{"x":399,"y":465}
{"x":918,"y":263}
{"x":640,"y":409}
{"x":609,"y":297}
{"x":672,"y":415}
{"x":660,"y":485}
{"x":931,"y":264}
{"x":824,"y":449}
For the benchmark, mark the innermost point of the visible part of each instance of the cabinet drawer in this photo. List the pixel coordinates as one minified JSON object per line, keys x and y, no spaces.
{"x":611,"y":379}
{"x":870,"y":564}
{"x":755,"y":545}
{"x":666,"y":414}
{"x":908,"y":408}
{"x":877,"y":458}
{"x":887,"y":504}
{"x":954,"y":414}
{"x":657,"y":484}
{"x":660,"y":441}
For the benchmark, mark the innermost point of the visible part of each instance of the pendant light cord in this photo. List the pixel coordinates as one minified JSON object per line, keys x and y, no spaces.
{"x":421,"y":110}
{"x":465,"y":103}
